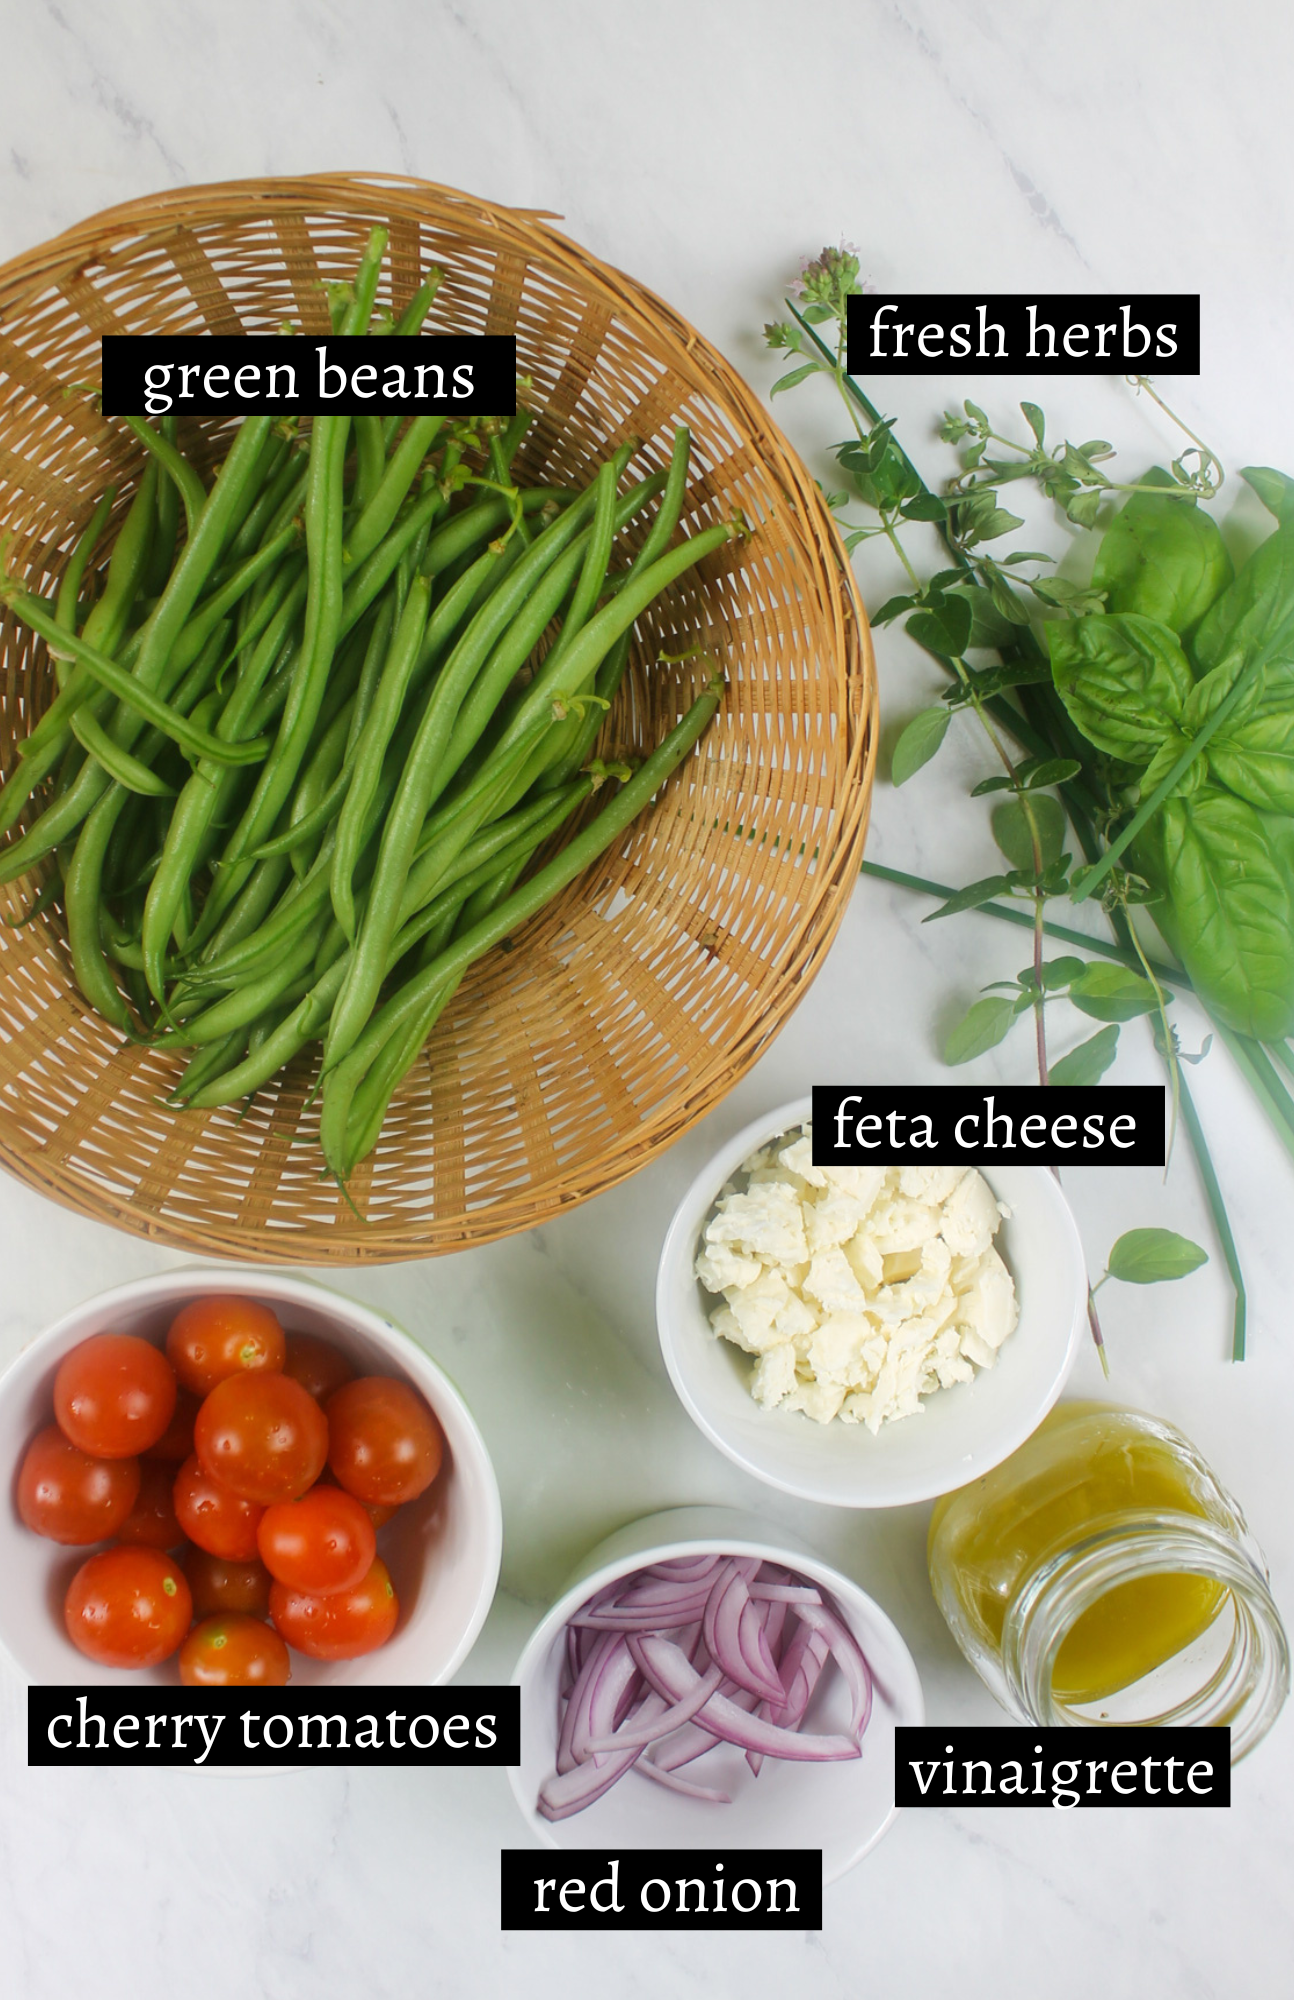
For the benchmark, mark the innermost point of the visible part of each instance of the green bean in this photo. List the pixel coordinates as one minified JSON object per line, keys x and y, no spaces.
{"x":411,"y":319}
{"x":324,"y":501}
{"x":371,"y":750}
{"x":671,"y":506}
{"x":250,"y":908}
{"x":210,"y":1061}
{"x":131,"y":691}
{"x":373,"y":1097}
{"x":579,"y":732}
{"x":280,"y":477}
{"x":187,"y":483}
{"x":287,"y":1040}
{"x":377,"y":517}
{"x":127,"y":771}
{"x":240,"y":1008}
{"x":422,"y":773}
{"x":372,"y":576}
{"x":49,"y":891}
{"x":82,"y":907}
{"x":166,"y":521}
{"x":107,"y":621}
{"x":69,"y":589}
{"x":371,"y":459}
{"x":317,"y":781}
{"x":342,"y":1079}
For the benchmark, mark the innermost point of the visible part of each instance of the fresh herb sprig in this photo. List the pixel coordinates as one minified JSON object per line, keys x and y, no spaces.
{"x":1063,"y":783}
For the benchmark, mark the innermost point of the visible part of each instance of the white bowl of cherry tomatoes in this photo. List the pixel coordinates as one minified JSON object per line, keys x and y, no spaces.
{"x":236,"y":1478}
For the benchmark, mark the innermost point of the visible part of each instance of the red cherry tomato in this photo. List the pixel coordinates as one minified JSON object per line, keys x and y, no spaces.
{"x":213,"y":1517}
{"x":211,"y":1339}
{"x":152,"y":1521}
{"x":70,"y":1497}
{"x":114,"y":1395}
{"x":220,"y":1585}
{"x":317,"y":1365}
{"x":379,"y":1516}
{"x":128,"y":1607}
{"x":176,"y":1441}
{"x":342,"y":1626}
{"x":385,"y":1445}
{"x":233,"y":1650}
{"x":322,"y":1543}
{"x":262,"y":1436}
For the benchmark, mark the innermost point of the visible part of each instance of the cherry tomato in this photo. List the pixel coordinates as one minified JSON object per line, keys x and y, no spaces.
{"x":70,"y":1497}
{"x":128,"y":1607}
{"x":176,"y":1441}
{"x":114,"y":1395}
{"x":322,"y":1543}
{"x":317,"y":1365}
{"x":152,"y":1521}
{"x":219,"y":1585}
{"x":385,"y":1445}
{"x":213,"y":1517}
{"x":342,"y":1626}
{"x":262,"y":1436}
{"x":232,"y":1650}
{"x":379,"y":1516}
{"x":211,"y":1339}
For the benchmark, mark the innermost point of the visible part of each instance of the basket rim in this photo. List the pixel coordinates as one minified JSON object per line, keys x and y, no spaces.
{"x":154,"y":218}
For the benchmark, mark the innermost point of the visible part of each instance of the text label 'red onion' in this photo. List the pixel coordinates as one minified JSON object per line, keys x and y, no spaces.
{"x":1003,"y":333}
{"x":285,"y":375}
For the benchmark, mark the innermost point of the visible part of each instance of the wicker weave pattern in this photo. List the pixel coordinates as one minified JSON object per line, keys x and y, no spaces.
{"x":633,"y":1003}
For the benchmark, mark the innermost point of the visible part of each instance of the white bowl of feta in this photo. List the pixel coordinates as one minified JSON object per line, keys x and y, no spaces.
{"x":862,"y":1336}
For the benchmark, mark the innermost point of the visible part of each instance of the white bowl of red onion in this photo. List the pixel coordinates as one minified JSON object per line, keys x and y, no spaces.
{"x":705,"y":1680}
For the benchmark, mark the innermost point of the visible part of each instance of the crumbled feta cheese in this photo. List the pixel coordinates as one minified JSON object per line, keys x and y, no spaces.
{"x":859,"y":1290}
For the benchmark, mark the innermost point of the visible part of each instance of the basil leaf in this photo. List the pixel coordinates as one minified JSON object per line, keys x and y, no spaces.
{"x":1274,"y":489}
{"x":918,"y":743}
{"x":1112,"y":993}
{"x":1162,"y":763}
{"x":1124,"y":679}
{"x":1089,"y":1061}
{"x":1153,"y":1256}
{"x":1256,"y":760}
{"x":1256,"y":613}
{"x":1228,"y":873}
{"x":987,"y":1023}
{"x":1163,"y":558}
{"x":1014,"y":835}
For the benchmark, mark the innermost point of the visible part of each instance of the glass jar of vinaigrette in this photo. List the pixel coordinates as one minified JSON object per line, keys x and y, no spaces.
{"x":1102,"y":1575}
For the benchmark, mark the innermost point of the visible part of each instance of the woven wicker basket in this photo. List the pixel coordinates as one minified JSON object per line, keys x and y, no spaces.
{"x":637,"y":999}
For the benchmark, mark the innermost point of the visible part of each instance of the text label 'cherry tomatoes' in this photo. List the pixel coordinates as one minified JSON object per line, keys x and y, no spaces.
{"x":342,"y":1626}
{"x":211,"y":1339}
{"x":385,"y":1445}
{"x":262,"y":1436}
{"x":128,"y":1607}
{"x":114,"y":1395}
{"x":213,"y":1517}
{"x":233,"y":1650}
{"x":323,"y":1542}
{"x":71,"y":1497}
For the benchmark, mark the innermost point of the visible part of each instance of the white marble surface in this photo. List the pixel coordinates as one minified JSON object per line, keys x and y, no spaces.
{"x":993,"y":144}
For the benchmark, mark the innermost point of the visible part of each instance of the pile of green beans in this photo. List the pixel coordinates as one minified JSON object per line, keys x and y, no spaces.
{"x":305,"y":747}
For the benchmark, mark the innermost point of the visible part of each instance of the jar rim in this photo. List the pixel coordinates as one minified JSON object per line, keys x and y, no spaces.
{"x":1245,"y":1691}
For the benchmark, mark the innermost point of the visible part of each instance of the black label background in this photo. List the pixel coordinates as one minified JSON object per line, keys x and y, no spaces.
{"x":522,"y":1870}
{"x":946,"y":1103}
{"x":126,"y":357}
{"x":1029,"y":1747}
{"x":1010,"y":311}
{"x":502,"y":1704}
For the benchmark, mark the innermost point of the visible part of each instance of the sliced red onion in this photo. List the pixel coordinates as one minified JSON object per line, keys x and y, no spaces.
{"x":671,"y":1674}
{"x":661,"y":1666}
